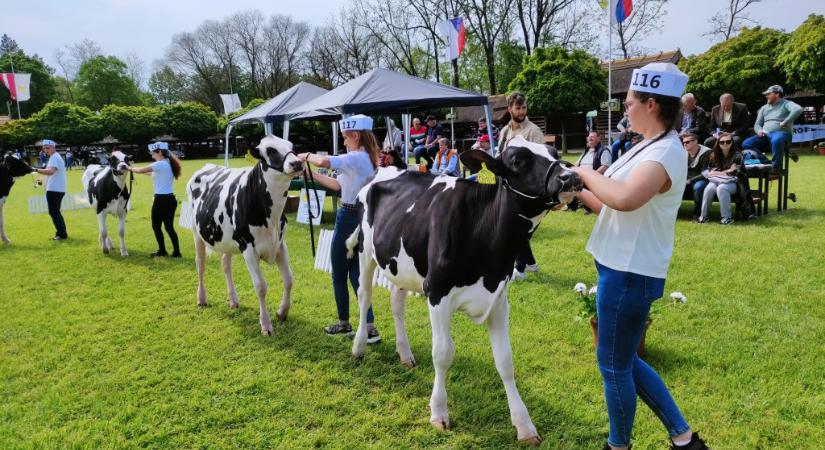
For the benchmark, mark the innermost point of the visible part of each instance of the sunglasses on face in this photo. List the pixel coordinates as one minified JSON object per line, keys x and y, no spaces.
{"x":688,"y":141}
{"x":725,"y":142}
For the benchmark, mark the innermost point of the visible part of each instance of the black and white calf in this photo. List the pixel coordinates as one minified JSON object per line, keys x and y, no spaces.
{"x":11,"y":167}
{"x":456,"y":241}
{"x":241,"y":211}
{"x":109,"y":194}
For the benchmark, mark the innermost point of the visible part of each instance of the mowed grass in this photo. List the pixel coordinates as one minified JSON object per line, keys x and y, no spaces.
{"x":108,"y":352}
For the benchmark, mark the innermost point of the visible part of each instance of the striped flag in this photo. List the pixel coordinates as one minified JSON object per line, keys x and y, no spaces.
{"x":18,"y":85}
{"x":453,"y":30}
{"x":620,"y":10}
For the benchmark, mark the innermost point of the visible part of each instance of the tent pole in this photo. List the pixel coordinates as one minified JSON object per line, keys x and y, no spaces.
{"x":286,"y":130}
{"x":268,"y":126}
{"x":226,"y":150}
{"x":405,"y":118}
{"x":488,"y":114}
{"x":335,"y":137}
{"x":609,"y":79}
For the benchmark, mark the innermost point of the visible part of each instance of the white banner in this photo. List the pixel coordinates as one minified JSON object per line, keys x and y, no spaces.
{"x":231,"y":103}
{"x":807,"y":133}
{"x":308,"y":202}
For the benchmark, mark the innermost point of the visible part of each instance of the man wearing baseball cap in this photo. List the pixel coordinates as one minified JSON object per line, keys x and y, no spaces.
{"x":774,"y":125}
{"x":55,"y":172}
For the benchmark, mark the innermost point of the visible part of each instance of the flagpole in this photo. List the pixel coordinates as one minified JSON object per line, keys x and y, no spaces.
{"x":17,"y":100}
{"x":609,"y":77}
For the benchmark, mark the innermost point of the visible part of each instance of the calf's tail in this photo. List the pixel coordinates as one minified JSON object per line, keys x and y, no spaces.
{"x":352,"y":242}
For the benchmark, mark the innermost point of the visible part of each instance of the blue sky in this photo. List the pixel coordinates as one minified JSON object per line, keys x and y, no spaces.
{"x":146,"y":26}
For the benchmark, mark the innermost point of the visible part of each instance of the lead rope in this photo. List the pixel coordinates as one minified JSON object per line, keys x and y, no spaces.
{"x":310,"y":180}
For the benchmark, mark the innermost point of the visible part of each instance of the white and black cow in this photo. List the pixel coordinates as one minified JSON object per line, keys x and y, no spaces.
{"x":241,"y":211}
{"x":456,"y":241}
{"x":11,"y":167}
{"x":109,"y":194}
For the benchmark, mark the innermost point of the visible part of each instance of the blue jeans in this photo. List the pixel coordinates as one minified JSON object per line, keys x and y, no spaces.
{"x":346,"y":220}
{"x":623,"y":303}
{"x":698,"y":187}
{"x":774,"y":142}
{"x":619,"y":148}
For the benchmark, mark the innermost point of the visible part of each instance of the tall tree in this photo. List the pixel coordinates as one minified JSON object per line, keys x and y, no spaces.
{"x":189,"y":121}
{"x":342,"y":49}
{"x":731,"y":20}
{"x":70,"y":57}
{"x":136,"y":69}
{"x":8,"y":45}
{"x":646,"y":19}
{"x":67,"y":123}
{"x":536,"y":17}
{"x":803,"y":56}
{"x":103,"y":80}
{"x":132,"y":124}
{"x":394,"y":28}
{"x":168,"y":87}
{"x":284,"y":56}
{"x":491,"y":23}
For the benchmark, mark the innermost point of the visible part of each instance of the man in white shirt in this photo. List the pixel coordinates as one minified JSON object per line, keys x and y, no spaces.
{"x":596,"y":156}
{"x":55,"y":172}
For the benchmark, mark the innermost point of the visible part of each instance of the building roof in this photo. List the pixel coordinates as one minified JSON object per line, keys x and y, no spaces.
{"x":623,"y":68}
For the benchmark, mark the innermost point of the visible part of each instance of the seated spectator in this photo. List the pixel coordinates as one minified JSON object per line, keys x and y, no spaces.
{"x":596,"y":156}
{"x":484,"y":144}
{"x":482,"y":131}
{"x":622,"y":145}
{"x":393,"y":139}
{"x":434,"y":132}
{"x":773,"y":125}
{"x":698,"y":157}
{"x":446,"y":160}
{"x":418,"y":134}
{"x":392,"y":157}
{"x":722,"y":171}
{"x":729,"y":117}
{"x":694,"y":118}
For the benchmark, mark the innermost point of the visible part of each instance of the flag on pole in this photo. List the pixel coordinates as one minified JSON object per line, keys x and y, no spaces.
{"x":453,"y":31}
{"x":18,"y":85}
{"x":231,"y":103}
{"x":620,"y":10}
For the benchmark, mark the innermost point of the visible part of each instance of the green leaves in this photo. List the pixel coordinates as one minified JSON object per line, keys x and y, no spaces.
{"x":134,"y":124}
{"x":67,"y":123}
{"x":103,"y":80}
{"x":803,"y":55}
{"x":558,"y":81}
{"x":189,"y":121}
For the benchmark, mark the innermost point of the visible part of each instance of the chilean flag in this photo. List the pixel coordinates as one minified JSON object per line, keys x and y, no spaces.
{"x":453,"y":30}
{"x":620,"y":10}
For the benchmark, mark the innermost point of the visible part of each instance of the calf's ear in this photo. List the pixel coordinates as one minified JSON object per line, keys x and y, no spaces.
{"x":472,"y":160}
{"x":255,"y":152}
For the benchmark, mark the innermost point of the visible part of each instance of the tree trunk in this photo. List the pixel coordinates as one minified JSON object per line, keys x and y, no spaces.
{"x":455,"y":72}
{"x":491,"y":70}
{"x":563,"y":138}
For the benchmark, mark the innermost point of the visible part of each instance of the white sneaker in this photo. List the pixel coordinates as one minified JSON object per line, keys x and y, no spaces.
{"x":517,"y":276}
{"x":531,"y":268}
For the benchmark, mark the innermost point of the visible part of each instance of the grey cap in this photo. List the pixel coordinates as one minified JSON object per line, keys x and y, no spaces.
{"x":775,"y":88}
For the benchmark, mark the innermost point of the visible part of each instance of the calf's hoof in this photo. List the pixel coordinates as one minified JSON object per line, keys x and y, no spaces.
{"x":409,"y":362}
{"x":234,"y":304}
{"x":266,"y":330}
{"x":280,"y":316}
{"x":124,"y":254}
{"x":105,"y":251}
{"x":441,"y":423}
{"x":534,"y":441}
{"x":6,"y":241}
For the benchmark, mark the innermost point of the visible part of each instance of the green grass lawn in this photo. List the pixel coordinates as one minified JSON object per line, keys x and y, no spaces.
{"x":108,"y":352}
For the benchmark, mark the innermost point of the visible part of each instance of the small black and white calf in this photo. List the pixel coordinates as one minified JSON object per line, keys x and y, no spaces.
{"x":241,"y":211}
{"x":456,"y":241}
{"x":109,"y":194}
{"x":11,"y":167}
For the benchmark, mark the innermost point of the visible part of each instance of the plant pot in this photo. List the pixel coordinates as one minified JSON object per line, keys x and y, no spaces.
{"x":594,"y":326}
{"x":821,"y":149}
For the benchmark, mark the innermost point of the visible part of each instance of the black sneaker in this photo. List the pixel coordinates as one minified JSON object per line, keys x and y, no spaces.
{"x":339,"y":329}
{"x":696,"y":443}
{"x":372,"y":336}
{"x":176,"y":255}
{"x":158,"y":254}
{"x":60,"y":238}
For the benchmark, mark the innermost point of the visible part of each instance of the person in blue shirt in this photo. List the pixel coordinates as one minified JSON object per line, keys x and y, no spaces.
{"x":355,"y":169}
{"x":446,"y":160}
{"x":165,"y":170}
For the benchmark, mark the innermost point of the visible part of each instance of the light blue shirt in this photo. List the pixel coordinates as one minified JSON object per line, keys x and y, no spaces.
{"x":777,"y":117}
{"x":162,"y":177}
{"x":57,"y":181}
{"x":354,"y":171}
{"x":447,"y":165}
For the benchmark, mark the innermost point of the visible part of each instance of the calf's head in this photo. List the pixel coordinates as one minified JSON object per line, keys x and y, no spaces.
{"x":276,"y":153}
{"x":119,"y":162}
{"x":530,"y":171}
{"x":16,"y":166}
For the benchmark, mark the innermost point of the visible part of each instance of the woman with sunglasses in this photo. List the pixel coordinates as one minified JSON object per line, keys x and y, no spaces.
{"x":637,"y":200}
{"x":165,"y":170}
{"x":723,"y":168}
{"x":698,"y":156}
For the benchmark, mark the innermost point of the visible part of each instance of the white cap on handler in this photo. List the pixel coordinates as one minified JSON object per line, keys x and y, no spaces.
{"x":356,"y":123}
{"x":47,"y":142}
{"x":156,"y":146}
{"x":659,"y":78}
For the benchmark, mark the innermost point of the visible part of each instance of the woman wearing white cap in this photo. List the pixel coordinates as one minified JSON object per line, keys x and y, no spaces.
{"x":355,"y":168}
{"x":637,"y":200}
{"x":165,"y":170}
